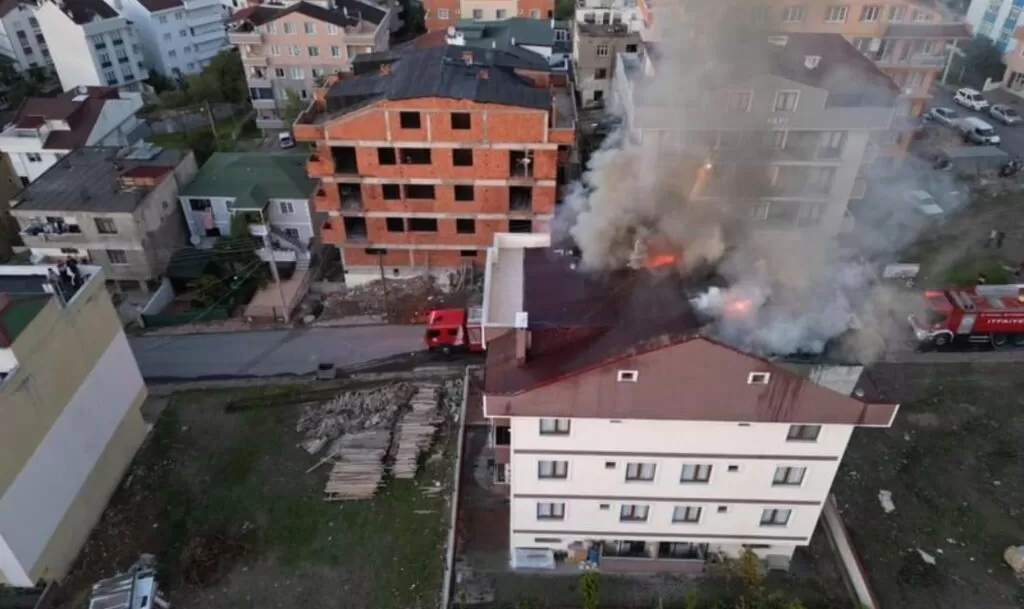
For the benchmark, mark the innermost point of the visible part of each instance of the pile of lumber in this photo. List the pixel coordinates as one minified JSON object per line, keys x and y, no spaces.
{"x":416,"y":430}
{"x":360,"y":466}
{"x":350,"y":412}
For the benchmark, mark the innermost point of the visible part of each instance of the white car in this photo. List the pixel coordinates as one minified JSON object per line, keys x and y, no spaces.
{"x":923,"y":203}
{"x":1004,"y":114}
{"x":942,"y":116}
{"x":970,"y":98}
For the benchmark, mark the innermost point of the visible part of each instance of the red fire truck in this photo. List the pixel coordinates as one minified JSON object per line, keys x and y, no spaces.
{"x":987,"y":314}
{"x":451,"y":330}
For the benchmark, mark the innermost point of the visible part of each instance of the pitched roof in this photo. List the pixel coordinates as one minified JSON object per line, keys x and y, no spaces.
{"x":7,"y":6}
{"x":254,"y":176}
{"x":528,"y":32}
{"x":80,"y":115}
{"x":155,"y":6}
{"x":347,"y":13}
{"x":85,"y":11}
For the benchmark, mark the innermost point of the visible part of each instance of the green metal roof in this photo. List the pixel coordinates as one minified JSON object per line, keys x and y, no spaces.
{"x":252,"y":178}
{"x":20,"y":313}
{"x":526,"y":32}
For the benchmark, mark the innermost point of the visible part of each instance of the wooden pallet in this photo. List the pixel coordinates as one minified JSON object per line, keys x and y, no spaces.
{"x":360,"y":466}
{"x":415,"y":431}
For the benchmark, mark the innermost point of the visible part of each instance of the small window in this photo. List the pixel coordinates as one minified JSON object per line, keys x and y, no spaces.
{"x":631,"y":48}
{"x":416,"y":156}
{"x":758,"y":378}
{"x":600,"y":74}
{"x":604,"y":506}
{"x":640,"y":471}
{"x":423,"y":225}
{"x":287,"y":207}
{"x":461,"y":120}
{"x":69,"y":250}
{"x":695,"y":473}
{"x":785,"y":101}
{"x":805,"y":433}
{"x":789,"y":476}
{"x":375,"y":251}
{"x":465,"y":226}
{"x":550,"y":511}
{"x":628,"y":376}
{"x":386,"y":156}
{"x":734,"y":468}
{"x":631,"y":512}
{"x":462,"y":157}
{"x":609,"y":464}
{"x":419,"y":191}
{"x":409,"y":120}
{"x":775,"y":517}
{"x":546,"y":540}
{"x":686,"y":513}
{"x":117,"y":256}
{"x":739,"y":101}
{"x":391,"y":192}
{"x":463,"y":192}
{"x":106,"y":226}
{"x":722,"y":509}
{"x":520,"y":226}
{"x":199,"y":204}
{"x":468,"y":253}
{"x":395,"y":225}
{"x":554,"y":427}
{"x":552,"y":469}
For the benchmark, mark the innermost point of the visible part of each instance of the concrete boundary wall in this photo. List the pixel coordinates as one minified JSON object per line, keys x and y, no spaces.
{"x":852,"y":569}
{"x":449,"y":557}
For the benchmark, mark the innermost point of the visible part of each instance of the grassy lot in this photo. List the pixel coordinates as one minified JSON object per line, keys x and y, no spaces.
{"x":225,"y":129}
{"x":223,"y":501}
{"x":953,"y":462}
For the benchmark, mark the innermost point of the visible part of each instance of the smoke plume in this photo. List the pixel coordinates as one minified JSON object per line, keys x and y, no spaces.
{"x":796,"y":279}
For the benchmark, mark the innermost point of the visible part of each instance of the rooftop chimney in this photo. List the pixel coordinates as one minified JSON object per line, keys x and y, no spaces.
{"x":522,"y":330}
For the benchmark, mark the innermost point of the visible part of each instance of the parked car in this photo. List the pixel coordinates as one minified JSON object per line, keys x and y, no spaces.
{"x":1004,"y":114}
{"x":923,"y":203}
{"x":970,"y":98}
{"x":977,"y":131}
{"x":285,"y":140}
{"x":942,"y":116}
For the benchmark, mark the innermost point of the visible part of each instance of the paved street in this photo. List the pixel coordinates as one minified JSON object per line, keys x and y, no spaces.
{"x":270,"y":353}
{"x":1012,"y":137}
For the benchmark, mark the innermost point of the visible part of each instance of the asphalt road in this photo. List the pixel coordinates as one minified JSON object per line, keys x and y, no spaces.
{"x":1012,"y":137}
{"x":270,"y":353}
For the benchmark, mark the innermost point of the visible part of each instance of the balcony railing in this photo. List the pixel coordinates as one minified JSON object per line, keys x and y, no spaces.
{"x":255,"y":60}
{"x":245,"y":38}
{"x":914,"y":60}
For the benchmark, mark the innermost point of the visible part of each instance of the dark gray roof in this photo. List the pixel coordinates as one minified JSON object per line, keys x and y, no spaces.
{"x":88,"y":180}
{"x":347,"y":13}
{"x":927,"y":30}
{"x":85,"y":11}
{"x":454,"y":72}
{"x":528,"y":32}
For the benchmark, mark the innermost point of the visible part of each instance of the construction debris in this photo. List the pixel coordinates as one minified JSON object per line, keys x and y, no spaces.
{"x":351,"y":412}
{"x":416,"y":430}
{"x":136,"y":589}
{"x":451,"y":394}
{"x":407,"y":300}
{"x":360,"y":468}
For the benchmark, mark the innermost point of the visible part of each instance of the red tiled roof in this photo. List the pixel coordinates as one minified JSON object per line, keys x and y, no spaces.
{"x":81,"y":116}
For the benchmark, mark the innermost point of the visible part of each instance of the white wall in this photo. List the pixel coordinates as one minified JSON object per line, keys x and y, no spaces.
{"x":71,"y":50}
{"x":301,"y":220}
{"x":38,"y":498}
{"x":116,"y":120}
{"x":24,"y":168}
{"x":18,"y":19}
{"x":194,"y":219}
{"x":976,"y":18}
{"x":7,"y":360}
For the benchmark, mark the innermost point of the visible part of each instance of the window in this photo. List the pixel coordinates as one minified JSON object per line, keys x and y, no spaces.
{"x":167,"y":37}
{"x":820,"y":179}
{"x":695,"y":473}
{"x":294,"y":50}
{"x":789,"y":476}
{"x":554,"y":427}
{"x":279,"y":72}
{"x":832,"y":144}
{"x":420,"y":191}
{"x":468,"y":253}
{"x":631,"y":48}
{"x":627,"y":376}
{"x":69,"y":250}
{"x":602,"y":50}
{"x":465,"y":226}
{"x":600,"y":74}
{"x":775,"y":517}
{"x":335,"y":51}
{"x":182,"y":33}
{"x":775,"y":138}
{"x":896,"y":13}
{"x":535,"y":13}
{"x":631,"y":512}
{"x":423,"y":225}
{"x":461,"y":120}
{"x":442,"y":13}
{"x":686,"y":513}
{"x":386,"y":156}
{"x":793,"y":14}
{"x":462,"y":157}
{"x":722,"y":509}
{"x":546,"y":540}
{"x":478,"y":14}
{"x":804,"y":433}
{"x":552,"y":469}
{"x":375,"y":251}
{"x":500,"y":14}
{"x":188,"y":50}
{"x":836,"y":14}
{"x":332,"y":29}
{"x":289,"y":28}
{"x":287,"y":207}
{"x":395,"y":225}
{"x":105,"y":226}
{"x":314,"y":51}
{"x":550,"y":511}
{"x":298,"y":74}
{"x":640,"y":471}
{"x":162,"y":19}
{"x":785,"y":101}
{"x":309,"y":27}
{"x":759,"y":15}
{"x":739,"y":101}
{"x":758,"y":378}
{"x":391,"y":192}
{"x":463,"y":192}
{"x":199,"y":204}
{"x":922,"y":17}
{"x":271,"y":28}
{"x":520,"y":226}
{"x":409,"y":120}
{"x":733,"y":468}
{"x":870,"y":13}
{"x":117,"y":256}
{"x":415,"y":156}
{"x":33,"y":157}
{"x":172,"y":53}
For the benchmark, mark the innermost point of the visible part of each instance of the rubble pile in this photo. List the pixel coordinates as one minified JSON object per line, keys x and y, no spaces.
{"x":351,"y":412}
{"x":359,"y":469}
{"x":404,"y":300}
{"x":415,"y":431}
{"x":451,"y":396}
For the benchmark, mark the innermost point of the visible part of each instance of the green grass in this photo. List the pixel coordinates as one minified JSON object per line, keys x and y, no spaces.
{"x":179,"y":140}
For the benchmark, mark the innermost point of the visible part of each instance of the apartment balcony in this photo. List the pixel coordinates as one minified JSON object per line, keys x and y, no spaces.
{"x":197,"y":5}
{"x":257,"y":229}
{"x":916,"y":60}
{"x":268,"y":104}
{"x":260,"y":82}
{"x":200,"y":37}
{"x":204,"y":18}
{"x":351,"y":196}
{"x":319,"y":166}
{"x":35,"y":237}
{"x":258,"y":61}
{"x":269,"y":123}
{"x":245,"y":38}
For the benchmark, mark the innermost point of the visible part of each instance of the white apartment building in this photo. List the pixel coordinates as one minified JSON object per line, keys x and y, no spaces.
{"x":92,"y":44}
{"x":610,"y":12}
{"x":179,"y":37}
{"x":22,"y":37}
{"x":46,"y":129}
{"x":996,"y":20}
{"x":637,"y":441}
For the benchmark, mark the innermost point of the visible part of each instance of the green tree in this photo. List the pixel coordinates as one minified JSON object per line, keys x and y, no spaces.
{"x":226,"y":75}
{"x":210,"y":291}
{"x":202,"y":143}
{"x":590,"y":589}
{"x":982,"y":59}
{"x":293,"y":107}
{"x":564,"y":9}
{"x":236,"y":253}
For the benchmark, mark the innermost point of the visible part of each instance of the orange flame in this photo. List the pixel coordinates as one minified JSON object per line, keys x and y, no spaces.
{"x":659,"y":260}
{"x":738,"y":307}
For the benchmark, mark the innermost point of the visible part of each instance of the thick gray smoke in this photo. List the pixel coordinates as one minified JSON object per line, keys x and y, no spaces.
{"x":795,"y":281}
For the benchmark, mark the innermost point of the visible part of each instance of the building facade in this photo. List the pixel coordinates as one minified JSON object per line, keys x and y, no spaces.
{"x":290,"y":51}
{"x":441,"y":14}
{"x":116,"y":208}
{"x":46,"y":129}
{"x":594,"y":52}
{"x":639,"y":442}
{"x":92,"y":45}
{"x":271,"y":191}
{"x":71,"y":421}
{"x":452,"y":145}
{"x":179,"y":37}
{"x":22,"y":37}
{"x":996,"y":20}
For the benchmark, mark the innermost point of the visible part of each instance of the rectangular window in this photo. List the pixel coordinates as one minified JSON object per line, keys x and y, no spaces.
{"x":465,"y":226}
{"x":463,"y":192}
{"x":832,"y":144}
{"x":775,"y":517}
{"x":34,"y":157}
{"x":442,"y":13}
{"x":294,"y":50}
{"x":332,"y":29}
{"x":836,"y":14}
{"x":554,"y":427}
{"x":789,"y":476}
{"x":695,"y":473}
{"x":478,"y":14}
{"x":314,"y":51}
{"x":806,"y":433}
{"x":600,"y":74}
{"x":793,"y":14}
{"x":409,"y":120}
{"x":462,"y":157}
{"x":461,"y":120}
{"x":686,"y":513}
{"x":182,"y":33}
{"x":395,"y":225}
{"x":602,"y":50}
{"x":420,"y":191}
{"x":550,"y":511}
{"x":500,"y":14}
{"x":335,"y":51}
{"x":287,"y":207}
{"x":896,"y":13}
{"x":785,"y":101}
{"x":275,"y":51}
{"x":309,"y":27}
{"x":468,"y":253}
{"x":415,"y":156}
{"x":870,"y":13}
{"x":391,"y":192}
{"x":199,"y":204}
{"x":386,"y":156}
{"x":422,"y":225}
{"x":298,"y":74}
{"x":552,"y":469}
{"x":640,"y":471}
{"x":631,"y":512}
{"x":117,"y":256}
{"x":739,"y":101}
{"x":520,"y":226}
{"x":105,"y":226}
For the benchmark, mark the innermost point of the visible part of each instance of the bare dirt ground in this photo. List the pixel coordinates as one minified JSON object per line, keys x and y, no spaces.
{"x":222,"y":500}
{"x":953,"y":463}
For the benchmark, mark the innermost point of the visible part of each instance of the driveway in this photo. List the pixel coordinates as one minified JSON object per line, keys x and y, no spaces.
{"x":1012,"y":137}
{"x":269,"y":353}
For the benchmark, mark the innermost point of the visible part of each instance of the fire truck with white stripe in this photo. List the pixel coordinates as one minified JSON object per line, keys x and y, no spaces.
{"x":986,"y":314}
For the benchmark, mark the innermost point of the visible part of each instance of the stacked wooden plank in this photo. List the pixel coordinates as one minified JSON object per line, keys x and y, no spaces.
{"x":416,"y":429}
{"x":360,"y":467}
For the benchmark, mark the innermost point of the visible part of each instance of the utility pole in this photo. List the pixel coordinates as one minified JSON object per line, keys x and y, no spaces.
{"x":953,"y":52}
{"x":213,"y":127}
{"x":273,"y":270}
{"x":384,"y":285}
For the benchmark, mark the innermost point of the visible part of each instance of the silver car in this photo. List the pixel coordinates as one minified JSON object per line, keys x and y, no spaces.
{"x":942,"y":116}
{"x":1004,"y":114}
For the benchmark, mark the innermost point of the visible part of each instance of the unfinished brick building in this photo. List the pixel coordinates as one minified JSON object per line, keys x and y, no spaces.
{"x":424,"y":153}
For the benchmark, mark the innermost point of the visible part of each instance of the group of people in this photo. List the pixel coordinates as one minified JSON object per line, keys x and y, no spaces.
{"x":995,"y":237}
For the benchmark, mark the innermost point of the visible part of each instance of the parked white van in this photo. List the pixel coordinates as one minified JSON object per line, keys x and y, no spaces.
{"x":977,"y":131}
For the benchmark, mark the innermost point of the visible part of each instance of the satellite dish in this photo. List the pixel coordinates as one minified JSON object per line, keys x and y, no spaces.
{"x":195,"y":240}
